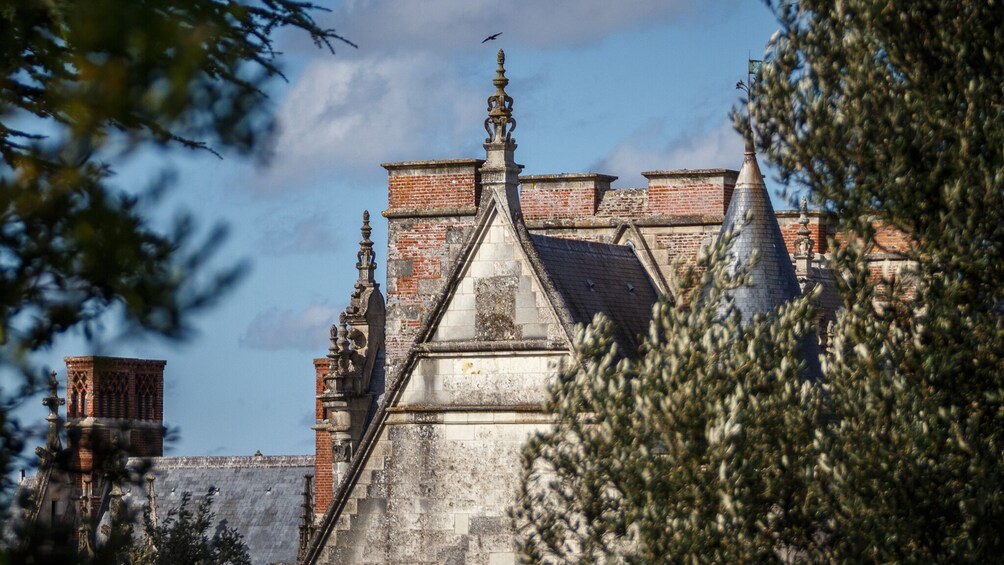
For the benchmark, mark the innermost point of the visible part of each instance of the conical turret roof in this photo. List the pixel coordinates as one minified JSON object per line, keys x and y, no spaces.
{"x":773,"y":280}
{"x":772,"y":277}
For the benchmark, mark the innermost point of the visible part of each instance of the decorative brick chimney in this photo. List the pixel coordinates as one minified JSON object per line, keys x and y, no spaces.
{"x":112,"y":402}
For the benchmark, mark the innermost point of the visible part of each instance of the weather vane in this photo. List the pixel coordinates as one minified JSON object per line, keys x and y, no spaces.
{"x":752,"y":68}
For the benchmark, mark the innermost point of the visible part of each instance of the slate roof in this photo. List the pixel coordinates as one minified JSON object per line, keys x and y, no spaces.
{"x":259,"y":496}
{"x":599,"y":277}
{"x":773,"y":280}
{"x":773,"y":276}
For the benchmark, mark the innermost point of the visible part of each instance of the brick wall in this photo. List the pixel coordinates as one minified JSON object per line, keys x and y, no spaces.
{"x":891,"y":240}
{"x":623,"y":203}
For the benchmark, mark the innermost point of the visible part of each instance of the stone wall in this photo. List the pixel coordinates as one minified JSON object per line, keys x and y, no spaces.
{"x":445,"y":470}
{"x":497,"y":298}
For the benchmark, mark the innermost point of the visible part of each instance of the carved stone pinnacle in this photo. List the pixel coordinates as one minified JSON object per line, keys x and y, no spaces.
{"x":500,"y":124}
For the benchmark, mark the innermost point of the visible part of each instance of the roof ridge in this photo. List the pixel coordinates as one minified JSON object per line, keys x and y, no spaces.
{"x":224,"y":461}
{"x":572,"y":242}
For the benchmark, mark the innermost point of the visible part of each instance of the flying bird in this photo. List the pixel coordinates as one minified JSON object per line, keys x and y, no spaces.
{"x":491,"y":37}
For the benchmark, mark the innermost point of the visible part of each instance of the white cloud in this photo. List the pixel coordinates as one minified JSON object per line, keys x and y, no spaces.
{"x":307,"y":330}
{"x":346,"y":116}
{"x":646,"y":150}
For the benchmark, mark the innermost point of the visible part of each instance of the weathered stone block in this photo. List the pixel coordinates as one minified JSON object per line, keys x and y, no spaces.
{"x":495,"y":303}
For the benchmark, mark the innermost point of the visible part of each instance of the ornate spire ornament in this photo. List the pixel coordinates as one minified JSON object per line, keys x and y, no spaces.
{"x":333,"y":342}
{"x":804,"y":243}
{"x":365,"y":264}
{"x":365,"y":257}
{"x":500,"y":124}
{"x":344,"y":361}
{"x":52,"y":442}
{"x":803,"y":246}
{"x":500,"y":173}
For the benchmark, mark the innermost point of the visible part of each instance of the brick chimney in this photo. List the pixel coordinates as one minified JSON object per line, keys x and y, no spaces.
{"x":431,"y":210}
{"x":690,"y":192}
{"x":565,"y":196}
{"x":324,"y":482}
{"x":112,"y":401}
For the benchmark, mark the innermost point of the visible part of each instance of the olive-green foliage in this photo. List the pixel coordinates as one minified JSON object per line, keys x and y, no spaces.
{"x":85,"y":86}
{"x":701,"y":449}
{"x":893,"y":113}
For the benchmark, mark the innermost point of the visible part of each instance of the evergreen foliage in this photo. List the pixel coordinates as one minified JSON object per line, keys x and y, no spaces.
{"x":700,"y":447}
{"x":84,"y":86}
{"x":87,"y":86}
{"x":190,"y":536}
{"x":893,"y":115}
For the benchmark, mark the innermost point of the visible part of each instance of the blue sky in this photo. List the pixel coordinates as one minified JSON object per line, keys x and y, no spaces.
{"x":611,"y":87}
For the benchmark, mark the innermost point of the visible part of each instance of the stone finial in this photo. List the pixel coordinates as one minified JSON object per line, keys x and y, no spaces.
{"x":346,"y":360}
{"x":365,"y":257}
{"x":151,"y":498}
{"x":500,"y":173}
{"x":52,"y":442}
{"x":500,"y":124}
{"x":803,"y":246}
{"x":306,"y":519}
{"x":344,"y":350}
{"x":333,"y":342}
{"x":366,"y":265}
{"x":116,"y":508}
{"x":804,"y":243}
